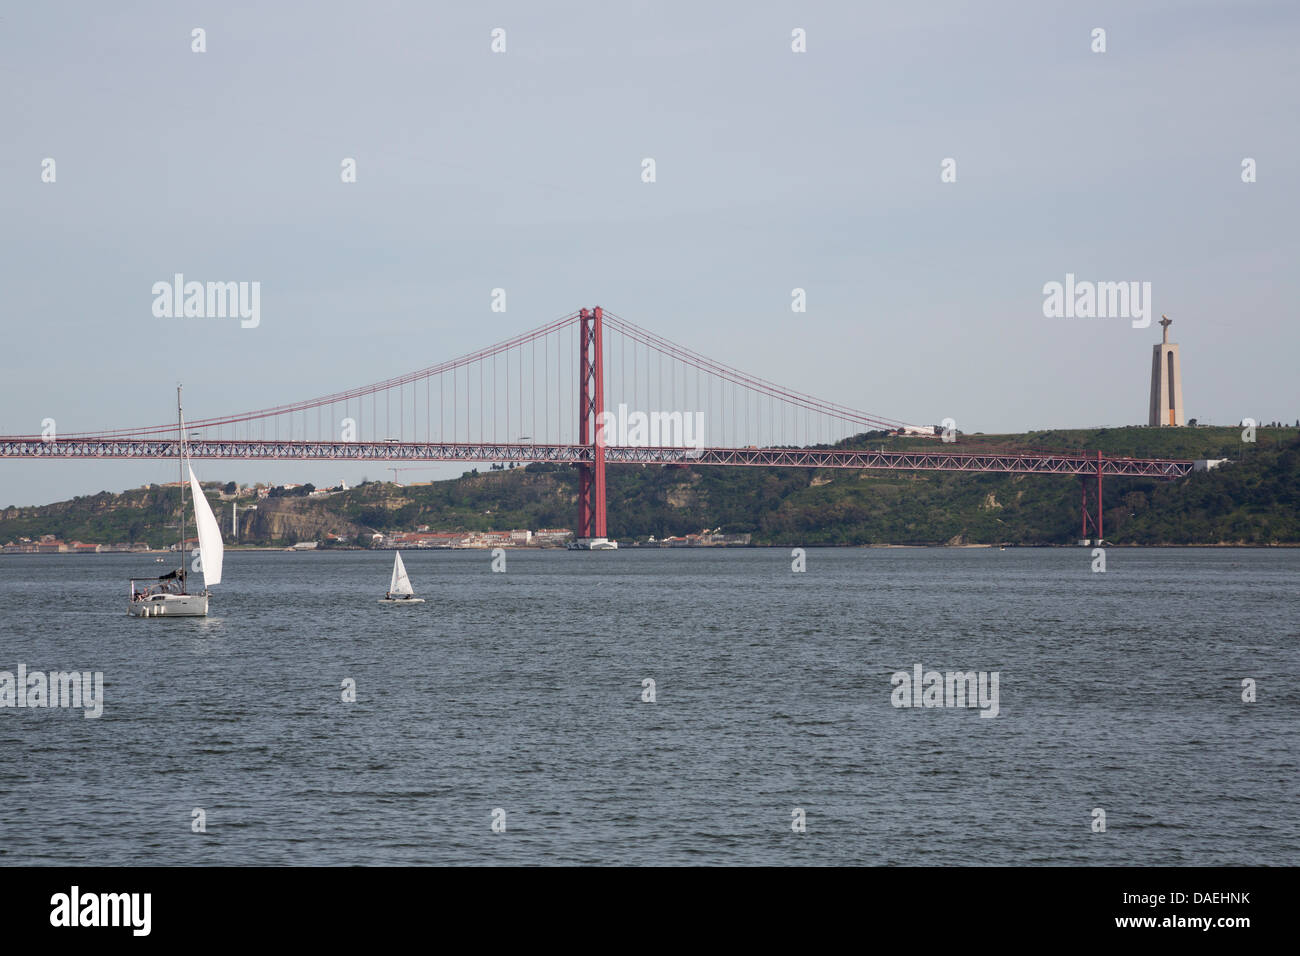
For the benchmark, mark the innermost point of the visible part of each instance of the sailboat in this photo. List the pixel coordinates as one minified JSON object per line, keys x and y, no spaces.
{"x":399,"y":588}
{"x":169,"y":595}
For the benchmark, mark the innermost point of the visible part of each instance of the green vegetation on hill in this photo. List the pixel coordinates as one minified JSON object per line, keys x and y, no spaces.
{"x":146,"y":515}
{"x":1253,"y":500}
{"x":496,"y":500}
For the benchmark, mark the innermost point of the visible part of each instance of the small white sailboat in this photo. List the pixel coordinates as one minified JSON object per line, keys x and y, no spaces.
{"x":399,"y":588}
{"x":168,"y":595}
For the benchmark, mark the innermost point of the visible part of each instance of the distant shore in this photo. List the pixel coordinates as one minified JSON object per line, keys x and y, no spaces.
{"x":634,"y":547}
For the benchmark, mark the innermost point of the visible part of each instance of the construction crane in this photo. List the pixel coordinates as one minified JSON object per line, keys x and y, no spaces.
{"x":395,"y":470}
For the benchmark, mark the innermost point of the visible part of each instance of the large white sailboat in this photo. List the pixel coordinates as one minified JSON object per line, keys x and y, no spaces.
{"x":168,"y":595}
{"x":399,"y":587}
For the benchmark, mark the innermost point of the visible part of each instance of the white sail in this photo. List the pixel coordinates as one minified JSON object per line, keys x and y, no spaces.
{"x":211,"y":549}
{"x":400,"y":584}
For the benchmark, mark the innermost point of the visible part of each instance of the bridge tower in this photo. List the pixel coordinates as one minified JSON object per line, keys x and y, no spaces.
{"x":591,"y":392}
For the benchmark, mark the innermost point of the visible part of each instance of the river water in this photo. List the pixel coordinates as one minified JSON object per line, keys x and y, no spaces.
{"x":522,"y":692}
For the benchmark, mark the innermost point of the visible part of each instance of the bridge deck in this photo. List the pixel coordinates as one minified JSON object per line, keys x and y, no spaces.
{"x":1007,"y":463}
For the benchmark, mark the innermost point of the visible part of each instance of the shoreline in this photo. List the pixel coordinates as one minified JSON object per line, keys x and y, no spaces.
{"x":716,"y":547}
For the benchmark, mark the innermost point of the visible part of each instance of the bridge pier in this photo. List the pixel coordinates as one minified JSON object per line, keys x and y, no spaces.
{"x":1096,"y":522}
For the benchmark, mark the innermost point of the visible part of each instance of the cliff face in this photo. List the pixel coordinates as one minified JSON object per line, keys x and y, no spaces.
{"x":290,"y":520}
{"x":687,"y":494}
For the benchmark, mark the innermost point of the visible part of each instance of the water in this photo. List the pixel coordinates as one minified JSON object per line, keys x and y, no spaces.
{"x":522,"y":691}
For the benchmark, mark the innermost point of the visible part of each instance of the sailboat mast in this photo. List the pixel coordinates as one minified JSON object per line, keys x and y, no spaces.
{"x":180,"y":469}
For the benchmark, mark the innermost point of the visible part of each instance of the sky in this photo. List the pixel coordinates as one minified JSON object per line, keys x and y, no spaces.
{"x":522,"y":170}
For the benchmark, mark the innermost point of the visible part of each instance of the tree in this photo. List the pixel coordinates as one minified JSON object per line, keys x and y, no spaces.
{"x":230,"y":488}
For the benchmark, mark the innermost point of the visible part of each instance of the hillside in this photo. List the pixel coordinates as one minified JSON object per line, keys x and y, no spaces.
{"x":1254,"y":500}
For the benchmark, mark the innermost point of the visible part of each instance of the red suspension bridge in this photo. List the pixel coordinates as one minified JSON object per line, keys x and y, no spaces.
{"x":516,"y":402}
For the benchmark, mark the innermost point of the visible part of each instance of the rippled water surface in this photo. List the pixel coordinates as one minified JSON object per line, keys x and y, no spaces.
{"x":522,"y":691}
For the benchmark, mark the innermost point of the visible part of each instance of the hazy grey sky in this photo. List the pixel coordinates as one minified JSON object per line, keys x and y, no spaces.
{"x":521,"y":170}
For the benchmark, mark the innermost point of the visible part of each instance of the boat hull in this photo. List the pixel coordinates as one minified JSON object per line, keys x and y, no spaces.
{"x":401,"y":600}
{"x":170,"y":605}
{"x":592,"y":544}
